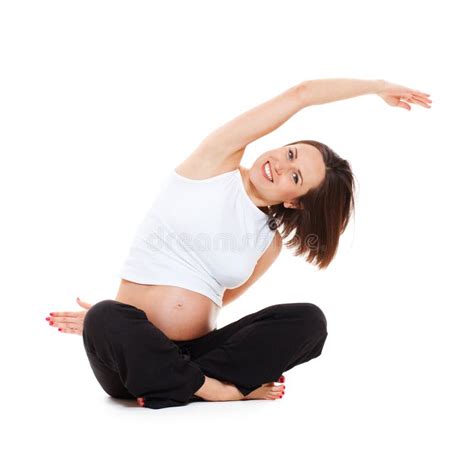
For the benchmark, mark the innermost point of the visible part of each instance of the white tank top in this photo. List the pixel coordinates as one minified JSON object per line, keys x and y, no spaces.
{"x":202,"y":235}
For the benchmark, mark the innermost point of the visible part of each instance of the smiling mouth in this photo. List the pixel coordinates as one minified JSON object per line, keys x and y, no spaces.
{"x":267,"y":172}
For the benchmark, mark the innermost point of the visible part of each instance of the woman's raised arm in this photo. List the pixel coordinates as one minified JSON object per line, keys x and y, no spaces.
{"x":330,"y":90}
{"x":230,"y":140}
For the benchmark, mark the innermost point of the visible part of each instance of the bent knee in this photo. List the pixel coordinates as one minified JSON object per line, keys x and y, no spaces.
{"x":98,"y":315}
{"x":313,"y":317}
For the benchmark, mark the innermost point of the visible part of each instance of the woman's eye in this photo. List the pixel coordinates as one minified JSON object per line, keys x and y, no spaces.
{"x":295,"y":174}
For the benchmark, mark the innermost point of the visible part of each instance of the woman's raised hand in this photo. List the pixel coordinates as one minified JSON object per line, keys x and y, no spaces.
{"x":399,"y":96}
{"x":69,"y":322}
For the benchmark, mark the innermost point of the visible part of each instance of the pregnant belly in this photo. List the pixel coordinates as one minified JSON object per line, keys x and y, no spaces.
{"x":179,"y":313}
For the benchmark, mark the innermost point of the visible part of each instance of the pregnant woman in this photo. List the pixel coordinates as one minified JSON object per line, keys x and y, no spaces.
{"x":210,"y":234}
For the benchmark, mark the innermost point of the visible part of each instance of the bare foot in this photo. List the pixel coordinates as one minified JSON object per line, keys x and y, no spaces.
{"x":268,"y":391}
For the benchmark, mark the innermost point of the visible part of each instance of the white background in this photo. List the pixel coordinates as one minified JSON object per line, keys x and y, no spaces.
{"x":99,"y":99}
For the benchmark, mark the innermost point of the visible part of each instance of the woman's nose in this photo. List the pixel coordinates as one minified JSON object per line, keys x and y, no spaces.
{"x":281,"y":167}
{"x":277,"y":168}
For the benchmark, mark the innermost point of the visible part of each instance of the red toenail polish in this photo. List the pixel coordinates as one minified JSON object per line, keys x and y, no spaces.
{"x":47,"y":318}
{"x":281,"y":396}
{"x":51,"y":323}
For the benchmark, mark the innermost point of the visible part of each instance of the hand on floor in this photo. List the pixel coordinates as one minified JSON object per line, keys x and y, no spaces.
{"x":69,"y":322}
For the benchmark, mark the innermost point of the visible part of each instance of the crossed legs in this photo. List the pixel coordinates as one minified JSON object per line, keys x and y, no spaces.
{"x":131,"y":358}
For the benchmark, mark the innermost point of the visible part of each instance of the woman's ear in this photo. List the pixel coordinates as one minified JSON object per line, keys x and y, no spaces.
{"x":294,"y":205}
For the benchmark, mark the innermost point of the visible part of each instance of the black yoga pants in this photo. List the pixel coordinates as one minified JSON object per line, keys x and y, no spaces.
{"x":131,"y":358}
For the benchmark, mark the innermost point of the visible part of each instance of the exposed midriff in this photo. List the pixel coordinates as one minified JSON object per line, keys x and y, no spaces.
{"x":181,"y":314}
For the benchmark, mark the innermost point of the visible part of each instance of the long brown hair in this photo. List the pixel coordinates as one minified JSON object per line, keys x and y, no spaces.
{"x":326,"y":211}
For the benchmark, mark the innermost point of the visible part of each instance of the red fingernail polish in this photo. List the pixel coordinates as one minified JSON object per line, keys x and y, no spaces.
{"x":51,"y":323}
{"x":47,"y":318}
{"x":281,"y":396}
{"x":59,"y":329}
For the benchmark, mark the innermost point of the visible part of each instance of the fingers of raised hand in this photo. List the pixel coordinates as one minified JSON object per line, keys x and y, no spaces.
{"x":417,"y":99}
{"x":420,"y":93}
{"x":417,"y":96}
{"x":395,"y":95}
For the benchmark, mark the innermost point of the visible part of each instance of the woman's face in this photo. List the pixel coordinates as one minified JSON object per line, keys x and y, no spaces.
{"x":295,"y":169}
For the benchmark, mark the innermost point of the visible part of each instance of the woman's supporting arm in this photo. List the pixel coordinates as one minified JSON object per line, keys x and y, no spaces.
{"x":334,"y":89}
{"x":263,"y":264}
